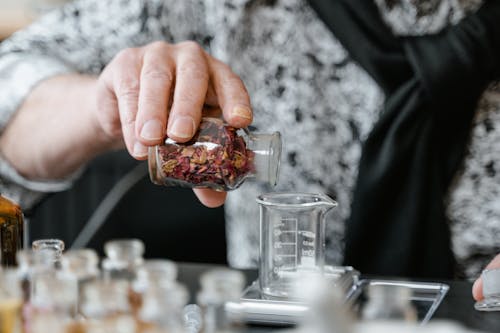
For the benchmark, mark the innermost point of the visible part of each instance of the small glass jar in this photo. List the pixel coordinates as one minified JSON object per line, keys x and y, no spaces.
{"x":162,"y":309}
{"x":219,"y":286}
{"x":55,"y":247}
{"x":123,"y":258}
{"x":11,"y":300}
{"x":106,"y":308}
{"x":219,"y":157}
{"x":83,"y":265}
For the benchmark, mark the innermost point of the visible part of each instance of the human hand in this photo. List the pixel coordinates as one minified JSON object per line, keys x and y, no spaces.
{"x":147,"y":92}
{"x":477,"y":288}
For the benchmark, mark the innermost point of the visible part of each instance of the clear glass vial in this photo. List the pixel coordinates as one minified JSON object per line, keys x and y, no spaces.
{"x":54,"y":299}
{"x":155,"y":272}
{"x":106,"y":308}
{"x":54,"y":247}
{"x":219,"y":286}
{"x":491,"y":291}
{"x":11,"y":300}
{"x":83,"y":265}
{"x":123,"y":258}
{"x":219,"y":156}
{"x":162,"y":307}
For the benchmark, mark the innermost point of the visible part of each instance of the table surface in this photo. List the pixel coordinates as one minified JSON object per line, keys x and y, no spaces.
{"x":458,"y":304}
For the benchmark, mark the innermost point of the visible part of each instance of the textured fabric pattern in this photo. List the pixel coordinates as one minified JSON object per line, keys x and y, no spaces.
{"x":302,"y":83}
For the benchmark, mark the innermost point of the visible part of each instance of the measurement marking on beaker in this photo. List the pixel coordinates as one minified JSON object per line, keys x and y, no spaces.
{"x":296,"y":242}
{"x":285,"y":243}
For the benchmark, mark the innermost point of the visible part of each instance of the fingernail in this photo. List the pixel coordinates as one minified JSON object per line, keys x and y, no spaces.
{"x":140,"y":150}
{"x":183,"y":127}
{"x":152,"y":130}
{"x":242,"y":111}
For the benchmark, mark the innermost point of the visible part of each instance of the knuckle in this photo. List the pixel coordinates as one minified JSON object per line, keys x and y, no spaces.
{"x":158,"y":46}
{"x":158,"y":75}
{"x":126,"y":55}
{"x":152,"y":102}
{"x":191,"y":47}
{"x":193,"y":69}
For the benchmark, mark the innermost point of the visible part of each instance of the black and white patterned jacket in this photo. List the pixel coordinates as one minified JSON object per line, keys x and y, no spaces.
{"x":302,"y":83}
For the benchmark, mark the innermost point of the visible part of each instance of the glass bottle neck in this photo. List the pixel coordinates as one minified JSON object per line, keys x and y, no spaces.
{"x":267,"y":153}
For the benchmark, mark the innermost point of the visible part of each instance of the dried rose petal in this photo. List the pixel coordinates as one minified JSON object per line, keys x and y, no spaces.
{"x":217,"y":155}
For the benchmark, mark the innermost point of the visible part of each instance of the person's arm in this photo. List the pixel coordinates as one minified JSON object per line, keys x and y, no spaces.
{"x":69,"y":119}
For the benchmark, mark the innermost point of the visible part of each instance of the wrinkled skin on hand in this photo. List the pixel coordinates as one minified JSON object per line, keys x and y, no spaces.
{"x":162,"y":89}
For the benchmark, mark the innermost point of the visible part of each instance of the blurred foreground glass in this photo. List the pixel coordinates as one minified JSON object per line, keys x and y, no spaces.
{"x":219,"y":156}
{"x":123,"y":258}
{"x":218,"y":287}
{"x":53,"y":248}
{"x":292,"y":238}
{"x":389,"y":302}
{"x":11,"y":300}
{"x":491,"y":291}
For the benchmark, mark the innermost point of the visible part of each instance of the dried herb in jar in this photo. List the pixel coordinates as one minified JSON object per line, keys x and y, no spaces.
{"x":217,"y":155}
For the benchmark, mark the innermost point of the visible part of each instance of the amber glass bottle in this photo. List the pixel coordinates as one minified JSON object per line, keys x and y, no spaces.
{"x":11,"y":231}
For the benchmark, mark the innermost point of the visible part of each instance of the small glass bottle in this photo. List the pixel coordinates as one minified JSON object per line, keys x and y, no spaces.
{"x":219,"y":286}
{"x":11,"y":231}
{"x":55,"y":247}
{"x":219,"y":156}
{"x":30,"y":265}
{"x":11,"y":300}
{"x":193,"y":318}
{"x":162,"y":309}
{"x":123,"y":259}
{"x":106,"y":307}
{"x":83,"y":264}
{"x":153,"y":273}
{"x":54,"y":300}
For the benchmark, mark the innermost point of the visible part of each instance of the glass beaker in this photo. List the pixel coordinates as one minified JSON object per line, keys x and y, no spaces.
{"x":292,"y":238}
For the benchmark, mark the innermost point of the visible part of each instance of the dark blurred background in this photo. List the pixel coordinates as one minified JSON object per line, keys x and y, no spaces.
{"x":171,"y":221}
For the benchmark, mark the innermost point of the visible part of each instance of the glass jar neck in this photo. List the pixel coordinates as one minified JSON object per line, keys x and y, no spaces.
{"x":129,"y":250}
{"x":83,"y":264}
{"x":266,"y":159}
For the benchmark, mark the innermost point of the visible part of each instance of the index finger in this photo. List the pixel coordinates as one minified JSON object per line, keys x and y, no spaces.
{"x":191,"y":86}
